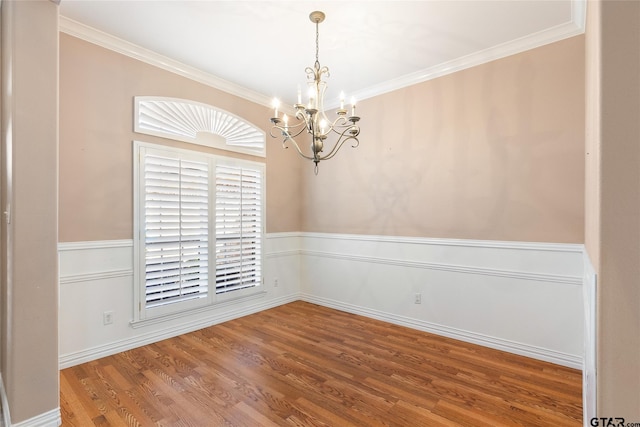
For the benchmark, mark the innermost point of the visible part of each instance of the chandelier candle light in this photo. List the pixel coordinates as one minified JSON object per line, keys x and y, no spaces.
{"x":312,"y":118}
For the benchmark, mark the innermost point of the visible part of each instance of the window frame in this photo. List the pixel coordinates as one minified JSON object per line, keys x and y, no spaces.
{"x":171,"y":310}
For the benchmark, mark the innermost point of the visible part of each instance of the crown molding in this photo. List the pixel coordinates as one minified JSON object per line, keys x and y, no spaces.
{"x":560,"y":32}
{"x":100,"y":38}
{"x":574,"y":27}
{"x":579,"y":14}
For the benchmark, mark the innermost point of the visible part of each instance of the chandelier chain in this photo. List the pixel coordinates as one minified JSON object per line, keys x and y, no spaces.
{"x":317,"y":44}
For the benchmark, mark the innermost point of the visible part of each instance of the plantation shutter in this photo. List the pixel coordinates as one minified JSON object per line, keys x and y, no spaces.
{"x":238,"y":227}
{"x":176,"y":221}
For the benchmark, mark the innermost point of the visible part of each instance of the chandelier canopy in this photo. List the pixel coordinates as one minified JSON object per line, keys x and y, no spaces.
{"x":311,"y":117}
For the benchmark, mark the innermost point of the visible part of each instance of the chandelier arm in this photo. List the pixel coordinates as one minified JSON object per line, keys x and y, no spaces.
{"x":349,"y":131}
{"x":339,"y":123}
{"x":343,"y":138}
{"x":287,"y":132}
{"x":335,"y":149}
{"x":295,"y":144}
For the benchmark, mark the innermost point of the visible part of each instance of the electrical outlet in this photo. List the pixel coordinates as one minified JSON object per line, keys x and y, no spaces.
{"x":275,"y":282}
{"x":417,"y":299}
{"x":107,"y":317}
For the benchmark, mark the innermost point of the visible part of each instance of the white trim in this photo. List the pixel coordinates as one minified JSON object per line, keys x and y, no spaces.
{"x":50,"y":418}
{"x":579,"y":14}
{"x":466,"y":336}
{"x":142,"y":149}
{"x":136,"y":324}
{"x":183,"y":120}
{"x":94,"y":260}
{"x":540,"y":277}
{"x":94,"y":244}
{"x":284,"y":235}
{"x":273,"y":242}
{"x":6,"y":415}
{"x":525,"y":283}
{"x":98,"y":275}
{"x":336,"y":246}
{"x":589,"y":370}
{"x":72,"y":359}
{"x":278,"y":254}
{"x":100,"y":38}
{"x":532,"y":41}
{"x":572,"y":28}
{"x":128,"y":243}
{"x":496,"y":244}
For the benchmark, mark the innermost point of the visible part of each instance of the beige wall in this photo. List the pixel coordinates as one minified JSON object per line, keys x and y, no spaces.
{"x":493,"y":152}
{"x":29,"y":187}
{"x":97,"y":87}
{"x":613,"y":213}
{"x":505,"y":137}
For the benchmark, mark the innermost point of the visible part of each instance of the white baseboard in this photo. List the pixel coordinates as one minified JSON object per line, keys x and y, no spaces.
{"x":48,"y":419}
{"x":6,"y":416}
{"x":87,"y":355}
{"x":466,"y":336}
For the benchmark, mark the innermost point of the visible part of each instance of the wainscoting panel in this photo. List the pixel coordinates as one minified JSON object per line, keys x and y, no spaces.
{"x":96,"y":277}
{"x":525,"y":298}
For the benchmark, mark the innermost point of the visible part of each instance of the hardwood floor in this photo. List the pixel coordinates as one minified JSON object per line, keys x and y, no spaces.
{"x":305,"y":365}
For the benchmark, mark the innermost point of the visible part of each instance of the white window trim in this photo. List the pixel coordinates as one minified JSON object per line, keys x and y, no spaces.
{"x":143,"y":316}
{"x":190,"y":121}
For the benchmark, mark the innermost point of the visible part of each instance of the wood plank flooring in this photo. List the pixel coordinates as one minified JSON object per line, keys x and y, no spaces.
{"x":305,"y":365}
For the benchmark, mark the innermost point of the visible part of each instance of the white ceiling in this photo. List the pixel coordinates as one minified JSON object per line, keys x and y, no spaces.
{"x":259,"y":49}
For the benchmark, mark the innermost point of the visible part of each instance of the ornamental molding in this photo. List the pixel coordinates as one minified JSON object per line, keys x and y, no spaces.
{"x":197,"y":123}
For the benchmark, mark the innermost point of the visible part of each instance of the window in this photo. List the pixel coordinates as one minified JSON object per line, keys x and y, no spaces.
{"x":176,"y":222}
{"x":238,"y":227}
{"x":198,"y":216}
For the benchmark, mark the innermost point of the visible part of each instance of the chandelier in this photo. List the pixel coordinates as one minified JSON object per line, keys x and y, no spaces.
{"x":311,"y":117}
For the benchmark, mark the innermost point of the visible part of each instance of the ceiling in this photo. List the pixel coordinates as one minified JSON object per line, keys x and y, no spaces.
{"x":259,"y":49}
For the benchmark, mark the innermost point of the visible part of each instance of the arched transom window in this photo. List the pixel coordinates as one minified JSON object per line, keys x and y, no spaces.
{"x":197,"y":123}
